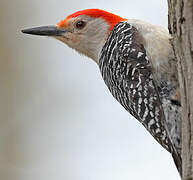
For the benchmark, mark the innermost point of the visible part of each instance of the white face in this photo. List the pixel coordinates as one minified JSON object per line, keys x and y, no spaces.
{"x":85,"y":34}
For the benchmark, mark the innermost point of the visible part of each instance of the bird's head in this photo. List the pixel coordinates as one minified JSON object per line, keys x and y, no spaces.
{"x":85,"y":31}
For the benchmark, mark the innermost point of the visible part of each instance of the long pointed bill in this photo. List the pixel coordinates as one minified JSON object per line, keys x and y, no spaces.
{"x":45,"y":31}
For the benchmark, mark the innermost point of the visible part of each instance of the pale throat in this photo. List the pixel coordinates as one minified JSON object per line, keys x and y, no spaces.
{"x":93,"y":45}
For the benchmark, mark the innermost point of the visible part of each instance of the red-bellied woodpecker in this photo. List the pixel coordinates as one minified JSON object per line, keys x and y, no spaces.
{"x":137,"y":64}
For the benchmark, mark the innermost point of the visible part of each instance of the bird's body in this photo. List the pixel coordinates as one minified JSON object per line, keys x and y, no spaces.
{"x":128,"y":72}
{"x":144,"y":87}
{"x":137,"y":64}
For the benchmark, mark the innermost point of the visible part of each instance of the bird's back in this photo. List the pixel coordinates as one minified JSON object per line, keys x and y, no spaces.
{"x":164,"y":70}
{"x":144,"y":91}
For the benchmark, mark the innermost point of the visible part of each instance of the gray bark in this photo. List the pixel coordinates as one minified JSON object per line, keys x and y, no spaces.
{"x":181,"y":28}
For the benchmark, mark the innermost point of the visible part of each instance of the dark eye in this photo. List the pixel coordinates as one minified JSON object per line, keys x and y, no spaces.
{"x":80,"y":24}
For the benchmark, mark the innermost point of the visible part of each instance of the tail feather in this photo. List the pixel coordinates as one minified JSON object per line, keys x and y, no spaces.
{"x":178,"y":161}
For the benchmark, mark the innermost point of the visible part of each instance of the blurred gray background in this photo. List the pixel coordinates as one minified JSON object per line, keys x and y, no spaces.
{"x":57,"y":119}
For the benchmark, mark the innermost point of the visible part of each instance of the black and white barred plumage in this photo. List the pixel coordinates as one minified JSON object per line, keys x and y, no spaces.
{"x":137,"y":64}
{"x":127,"y":71}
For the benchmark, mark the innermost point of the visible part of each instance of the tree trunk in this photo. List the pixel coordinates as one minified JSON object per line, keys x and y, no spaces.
{"x":181,"y":27}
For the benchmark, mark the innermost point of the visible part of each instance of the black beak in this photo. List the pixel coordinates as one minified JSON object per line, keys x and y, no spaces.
{"x":45,"y":31}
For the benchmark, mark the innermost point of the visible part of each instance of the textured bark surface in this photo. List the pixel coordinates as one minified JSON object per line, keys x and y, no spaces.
{"x":181,"y":28}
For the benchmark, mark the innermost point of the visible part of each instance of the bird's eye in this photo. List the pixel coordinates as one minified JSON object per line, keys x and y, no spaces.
{"x":80,"y":24}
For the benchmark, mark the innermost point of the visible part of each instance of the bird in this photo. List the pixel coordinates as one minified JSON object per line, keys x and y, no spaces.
{"x":137,"y":64}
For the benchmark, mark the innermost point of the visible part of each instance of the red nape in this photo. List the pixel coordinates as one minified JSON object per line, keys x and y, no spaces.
{"x":110,"y":18}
